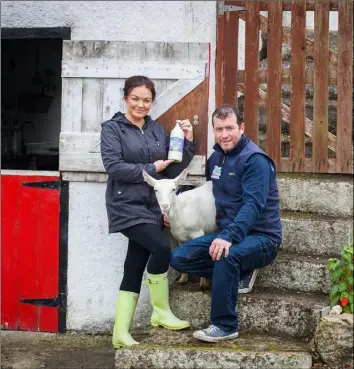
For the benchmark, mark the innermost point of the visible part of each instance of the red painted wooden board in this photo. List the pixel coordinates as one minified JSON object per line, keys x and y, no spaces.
{"x":29,"y":253}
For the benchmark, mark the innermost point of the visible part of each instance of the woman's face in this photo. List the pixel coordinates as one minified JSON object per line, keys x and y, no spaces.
{"x":138,"y":102}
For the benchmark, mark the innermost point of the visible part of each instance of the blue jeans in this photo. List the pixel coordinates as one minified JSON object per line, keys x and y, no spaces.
{"x":193,"y":258}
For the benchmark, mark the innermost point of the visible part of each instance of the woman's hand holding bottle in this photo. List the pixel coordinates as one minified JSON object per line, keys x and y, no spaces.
{"x":161,"y":165}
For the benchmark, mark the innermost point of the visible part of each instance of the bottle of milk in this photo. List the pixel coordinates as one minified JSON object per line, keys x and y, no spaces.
{"x":175,"y":151}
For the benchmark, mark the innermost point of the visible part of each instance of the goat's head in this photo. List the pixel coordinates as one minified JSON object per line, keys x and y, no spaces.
{"x":165,"y":189}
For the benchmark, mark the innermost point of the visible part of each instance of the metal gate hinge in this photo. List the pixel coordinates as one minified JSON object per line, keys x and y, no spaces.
{"x":58,"y":301}
{"x":222,"y":8}
{"x":48,"y":185}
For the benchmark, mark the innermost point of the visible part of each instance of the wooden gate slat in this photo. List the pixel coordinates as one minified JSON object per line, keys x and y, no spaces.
{"x":231,"y":57}
{"x":252,"y":70}
{"x":320,"y":100}
{"x":344,"y":91}
{"x":274,"y":78}
{"x":297,"y":99}
{"x":219,"y":59}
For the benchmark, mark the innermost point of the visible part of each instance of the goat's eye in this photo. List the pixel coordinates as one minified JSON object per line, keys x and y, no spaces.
{"x":173,"y":190}
{"x":155,"y":190}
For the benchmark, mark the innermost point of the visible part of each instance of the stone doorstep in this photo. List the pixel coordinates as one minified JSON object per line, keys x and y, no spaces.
{"x":264,"y":310}
{"x":294,"y":272}
{"x":314,"y":234}
{"x":322,"y":194}
{"x":160,"y":348}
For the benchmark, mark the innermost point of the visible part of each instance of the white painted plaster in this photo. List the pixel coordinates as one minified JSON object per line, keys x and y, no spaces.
{"x":95,"y":260}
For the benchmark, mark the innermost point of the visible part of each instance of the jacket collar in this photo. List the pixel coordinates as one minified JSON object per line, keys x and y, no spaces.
{"x":120,"y":118}
{"x":236,"y":149}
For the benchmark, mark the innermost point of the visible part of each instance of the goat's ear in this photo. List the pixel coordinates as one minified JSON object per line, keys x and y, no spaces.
{"x":181,"y":178}
{"x":147,"y":178}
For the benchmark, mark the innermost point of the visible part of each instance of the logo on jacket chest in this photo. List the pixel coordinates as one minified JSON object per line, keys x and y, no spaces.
{"x":216,"y":172}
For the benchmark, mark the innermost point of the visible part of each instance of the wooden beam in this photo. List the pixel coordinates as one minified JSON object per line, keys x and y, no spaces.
{"x":219,"y":61}
{"x":345,"y":88}
{"x":63,"y":33}
{"x":231,"y":57}
{"x":286,"y":76}
{"x":297,"y":96}
{"x":113,"y":69}
{"x":274,"y":83}
{"x":286,"y":4}
{"x":252,"y":71}
{"x":320,"y":99}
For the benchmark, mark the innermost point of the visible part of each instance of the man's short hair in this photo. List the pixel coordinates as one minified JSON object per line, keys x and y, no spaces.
{"x":225,"y":111}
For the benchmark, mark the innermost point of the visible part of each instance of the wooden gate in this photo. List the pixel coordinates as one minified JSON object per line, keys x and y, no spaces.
{"x":296,"y":141}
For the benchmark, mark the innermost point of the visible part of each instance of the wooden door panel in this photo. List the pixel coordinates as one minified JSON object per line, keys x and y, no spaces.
{"x":30,"y":252}
{"x":191,"y":105}
{"x":48,"y":256}
{"x":9,"y":252}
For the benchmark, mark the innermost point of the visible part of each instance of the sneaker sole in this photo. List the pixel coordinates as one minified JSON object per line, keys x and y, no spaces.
{"x":214,"y":339}
{"x":249,"y":289}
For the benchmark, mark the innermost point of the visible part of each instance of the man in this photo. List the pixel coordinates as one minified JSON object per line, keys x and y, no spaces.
{"x":248,"y":219}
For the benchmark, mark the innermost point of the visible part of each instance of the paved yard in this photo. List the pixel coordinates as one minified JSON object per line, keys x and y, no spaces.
{"x":31,"y":350}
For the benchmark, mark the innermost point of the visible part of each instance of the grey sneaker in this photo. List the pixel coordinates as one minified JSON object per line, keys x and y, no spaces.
{"x":247,"y":281}
{"x":214,"y":334}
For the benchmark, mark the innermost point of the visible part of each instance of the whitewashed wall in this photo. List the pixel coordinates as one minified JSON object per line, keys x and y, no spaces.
{"x":96,"y":259}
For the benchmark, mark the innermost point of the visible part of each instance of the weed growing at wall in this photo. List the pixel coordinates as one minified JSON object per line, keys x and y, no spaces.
{"x":341,"y":271}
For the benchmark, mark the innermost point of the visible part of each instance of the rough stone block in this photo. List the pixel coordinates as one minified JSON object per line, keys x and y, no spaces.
{"x":333,"y":341}
{"x":296,"y":273}
{"x":322,"y":194}
{"x":272,"y":312}
{"x":311,"y":234}
{"x":163,"y":349}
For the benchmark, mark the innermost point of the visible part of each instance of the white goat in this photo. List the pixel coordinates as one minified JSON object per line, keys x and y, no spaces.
{"x":191,"y":214}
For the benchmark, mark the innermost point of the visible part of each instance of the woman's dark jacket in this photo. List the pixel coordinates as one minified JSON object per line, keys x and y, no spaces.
{"x":126,"y":151}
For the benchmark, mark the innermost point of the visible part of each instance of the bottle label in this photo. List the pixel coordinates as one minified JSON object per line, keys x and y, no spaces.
{"x":176,"y":144}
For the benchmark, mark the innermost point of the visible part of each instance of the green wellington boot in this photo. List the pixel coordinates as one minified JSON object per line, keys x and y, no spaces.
{"x":162,"y":314}
{"x":126,"y":304}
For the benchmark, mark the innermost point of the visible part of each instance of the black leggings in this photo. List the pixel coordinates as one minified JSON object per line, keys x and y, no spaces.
{"x":147,"y":245}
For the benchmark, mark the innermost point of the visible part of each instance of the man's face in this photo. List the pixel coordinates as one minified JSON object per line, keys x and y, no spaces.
{"x":227,"y":132}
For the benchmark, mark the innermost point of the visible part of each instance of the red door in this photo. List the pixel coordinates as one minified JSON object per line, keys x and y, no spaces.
{"x":30,"y":207}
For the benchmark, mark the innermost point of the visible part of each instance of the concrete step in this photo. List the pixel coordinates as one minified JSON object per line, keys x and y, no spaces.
{"x":269,"y":311}
{"x":316,"y":193}
{"x":294,"y":272}
{"x":160,"y":348}
{"x":314,"y":234}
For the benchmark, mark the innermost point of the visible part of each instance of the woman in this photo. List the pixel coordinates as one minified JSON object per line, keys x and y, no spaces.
{"x":132,"y":142}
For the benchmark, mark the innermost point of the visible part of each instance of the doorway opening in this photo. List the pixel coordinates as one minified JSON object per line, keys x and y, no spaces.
{"x":31,"y":99}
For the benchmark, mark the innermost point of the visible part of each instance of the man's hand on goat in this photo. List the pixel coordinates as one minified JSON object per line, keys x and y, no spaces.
{"x":217,"y":247}
{"x":166,"y":222}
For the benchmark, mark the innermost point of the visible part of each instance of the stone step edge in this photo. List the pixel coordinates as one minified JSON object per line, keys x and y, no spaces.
{"x":163,"y":357}
{"x":325,"y":177}
{"x":145,"y":346}
{"x":246,"y":343}
{"x":260,"y":292}
{"x":285,"y":255}
{"x":288,"y":214}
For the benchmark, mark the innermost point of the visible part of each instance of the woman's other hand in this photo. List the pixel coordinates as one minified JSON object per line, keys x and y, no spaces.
{"x":187,"y":129}
{"x":166,"y":222}
{"x":161,"y":165}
